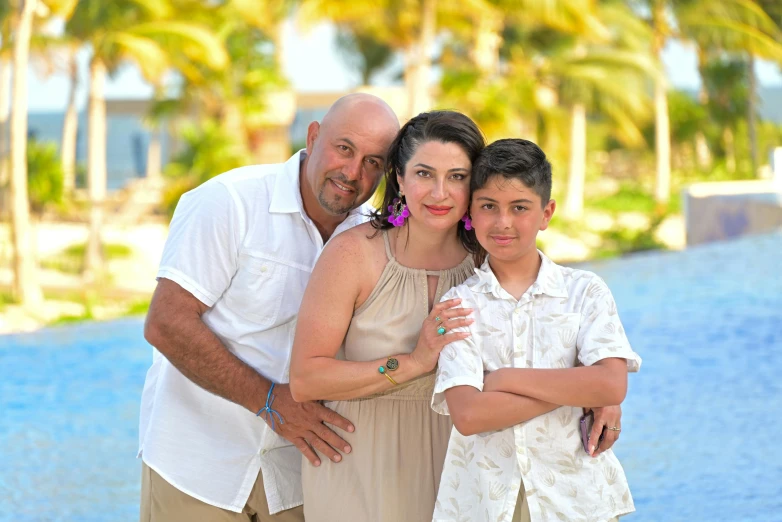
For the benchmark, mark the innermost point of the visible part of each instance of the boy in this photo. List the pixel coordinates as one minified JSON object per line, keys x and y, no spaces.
{"x":516,"y":453}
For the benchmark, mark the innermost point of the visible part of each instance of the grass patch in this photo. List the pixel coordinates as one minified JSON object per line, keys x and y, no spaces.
{"x":632,"y":197}
{"x":137,"y":308}
{"x":71,"y":259}
{"x":6,"y":298}
{"x":71,"y":319}
{"x":110,"y":250}
{"x":629,"y":198}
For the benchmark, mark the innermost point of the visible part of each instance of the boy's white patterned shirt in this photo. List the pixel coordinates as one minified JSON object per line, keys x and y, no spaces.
{"x":566,"y":317}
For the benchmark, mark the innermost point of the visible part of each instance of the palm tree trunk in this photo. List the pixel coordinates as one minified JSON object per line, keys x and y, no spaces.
{"x":702,"y":152}
{"x":420,"y":62}
{"x":752,"y":123}
{"x":574,"y":201}
{"x":26,"y":288}
{"x":96,"y":168}
{"x":70,"y":129}
{"x":663,"y":142}
{"x":486,"y":51}
{"x":154,"y":154}
{"x":5,"y":108}
{"x":661,"y":116}
{"x":729,"y":143}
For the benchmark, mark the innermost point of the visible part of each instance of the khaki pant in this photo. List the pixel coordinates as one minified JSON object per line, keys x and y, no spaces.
{"x":162,"y":502}
{"x":521,"y":514}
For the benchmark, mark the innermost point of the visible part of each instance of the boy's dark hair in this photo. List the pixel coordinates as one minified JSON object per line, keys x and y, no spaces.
{"x":514,"y":159}
{"x":441,"y":126}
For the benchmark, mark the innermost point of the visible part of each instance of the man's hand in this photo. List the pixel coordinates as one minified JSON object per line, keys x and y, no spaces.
{"x":304,"y":426}
{"x":609,"y":416}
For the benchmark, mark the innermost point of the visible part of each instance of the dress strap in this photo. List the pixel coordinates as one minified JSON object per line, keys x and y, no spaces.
{"x":388,"y":245}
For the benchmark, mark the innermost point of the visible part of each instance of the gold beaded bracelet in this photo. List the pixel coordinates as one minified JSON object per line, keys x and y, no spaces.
{"x":382,"y":371}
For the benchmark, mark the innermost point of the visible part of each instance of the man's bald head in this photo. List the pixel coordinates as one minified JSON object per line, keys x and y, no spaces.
{"x":346,"y":153}
{"x":361,"y":105}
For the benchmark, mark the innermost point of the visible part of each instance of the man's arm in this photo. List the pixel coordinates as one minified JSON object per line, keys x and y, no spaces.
{"x":175,"y":328}
{"x":602,"y":384}
{"x":474,"y":411}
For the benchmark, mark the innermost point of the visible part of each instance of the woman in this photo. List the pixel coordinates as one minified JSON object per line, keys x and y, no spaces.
{"x":357,"y":342}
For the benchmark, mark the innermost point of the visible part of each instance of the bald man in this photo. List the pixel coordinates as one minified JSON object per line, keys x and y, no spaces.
{"x":220,"y":435}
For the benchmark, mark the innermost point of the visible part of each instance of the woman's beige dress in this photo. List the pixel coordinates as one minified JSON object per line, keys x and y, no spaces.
{"x":393,"y":472}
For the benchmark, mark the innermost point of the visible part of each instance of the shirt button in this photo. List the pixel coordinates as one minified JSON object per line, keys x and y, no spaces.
{"x":517,"y":311}
{"x":263,"y":268}
{"x":264,"y":452}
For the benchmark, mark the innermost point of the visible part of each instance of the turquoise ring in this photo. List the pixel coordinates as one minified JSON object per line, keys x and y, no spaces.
{"x":441,"y":330}
{"x":437,"y":319}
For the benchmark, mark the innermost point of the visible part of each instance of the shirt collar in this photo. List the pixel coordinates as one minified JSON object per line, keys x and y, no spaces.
{"x":286,"y":198}
{"x":549,"y":281}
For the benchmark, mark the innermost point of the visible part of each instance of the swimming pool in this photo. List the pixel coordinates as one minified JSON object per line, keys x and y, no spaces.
{"x":702,"y":420}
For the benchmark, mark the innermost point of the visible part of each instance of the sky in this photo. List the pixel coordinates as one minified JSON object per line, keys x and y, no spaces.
{"x":313,"y":64}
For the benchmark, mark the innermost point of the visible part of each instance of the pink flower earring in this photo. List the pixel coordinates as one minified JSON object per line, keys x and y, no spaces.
{"x":467,"y":221}
{"x":399,"y":211}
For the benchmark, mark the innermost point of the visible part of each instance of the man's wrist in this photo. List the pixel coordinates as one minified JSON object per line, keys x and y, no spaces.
{"x":257,"y":398}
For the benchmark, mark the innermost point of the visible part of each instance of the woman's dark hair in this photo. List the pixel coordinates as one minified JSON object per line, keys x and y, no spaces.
{"x":440,"y":126}
{"x":514,"y":159}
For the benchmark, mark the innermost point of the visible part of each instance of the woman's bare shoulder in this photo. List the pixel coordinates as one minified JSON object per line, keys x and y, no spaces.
{"x":357,"y":246}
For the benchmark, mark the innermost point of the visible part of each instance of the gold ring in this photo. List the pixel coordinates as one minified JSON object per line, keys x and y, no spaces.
{"x":613,"y":428}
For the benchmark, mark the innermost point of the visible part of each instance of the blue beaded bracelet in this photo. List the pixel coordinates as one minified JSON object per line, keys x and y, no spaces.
{"x":268,"y":408}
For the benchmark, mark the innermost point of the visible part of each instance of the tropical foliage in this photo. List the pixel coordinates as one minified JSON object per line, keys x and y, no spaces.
{"x":582,"y":77}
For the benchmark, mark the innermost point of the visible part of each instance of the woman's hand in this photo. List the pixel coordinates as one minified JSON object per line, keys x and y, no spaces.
{"x":430,"y":343}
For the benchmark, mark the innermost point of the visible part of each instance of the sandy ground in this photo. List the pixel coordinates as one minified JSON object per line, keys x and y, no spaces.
{"x":133,"y":278}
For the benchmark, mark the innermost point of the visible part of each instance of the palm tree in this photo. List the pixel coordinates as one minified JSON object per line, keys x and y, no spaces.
{"x":5,"y":86}
{"x":549,"y":63}
{"x":70,"y":126}
{"x":728,"y":24}
{"x":363,"y":51}
{"x":250,"y":96}
{"x":117,"y":31}
{"x":26,"y":288}
{"x":606,"y":77}
{"x":773,"y":9}
{"x":727,"y":83}
{"x":407,"y":26}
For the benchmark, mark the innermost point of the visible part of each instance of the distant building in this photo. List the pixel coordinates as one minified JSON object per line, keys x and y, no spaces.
{"x":128,"y":137}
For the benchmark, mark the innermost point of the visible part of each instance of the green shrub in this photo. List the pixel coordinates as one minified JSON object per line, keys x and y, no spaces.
{"x":619,"y":240}
{"x":208,"y":150}
{"x":44,"y":176}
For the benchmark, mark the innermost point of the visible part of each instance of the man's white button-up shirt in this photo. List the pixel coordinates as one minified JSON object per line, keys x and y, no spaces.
{"x":242,"y":244}
{"x":567,"y":316}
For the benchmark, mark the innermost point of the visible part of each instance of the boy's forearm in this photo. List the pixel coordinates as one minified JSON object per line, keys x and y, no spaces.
{"x":490,"y":411}
{"x":585,"y":386}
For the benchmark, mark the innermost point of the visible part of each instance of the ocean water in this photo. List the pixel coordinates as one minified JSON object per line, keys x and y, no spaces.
{"x":701,"y":427}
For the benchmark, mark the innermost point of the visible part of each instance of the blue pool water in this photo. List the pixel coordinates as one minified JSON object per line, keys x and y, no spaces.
{"x":702,"y":421}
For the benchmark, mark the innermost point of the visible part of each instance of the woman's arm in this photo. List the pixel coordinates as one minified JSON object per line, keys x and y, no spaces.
{"x":602,"y":384}
{"x":324,"y":318}
{"x":474,"y":411}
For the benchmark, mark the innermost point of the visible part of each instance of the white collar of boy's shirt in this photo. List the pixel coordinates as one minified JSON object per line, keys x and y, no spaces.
{"x":286,"y":197}
{"x":549,"y":280}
